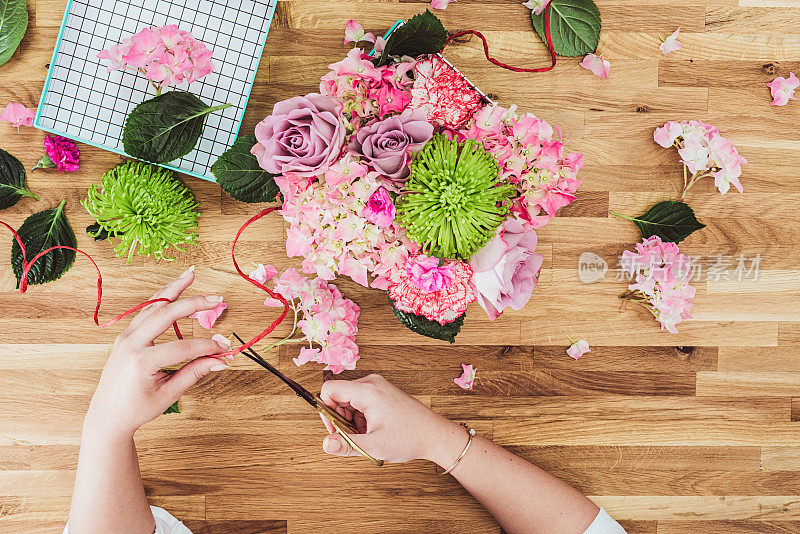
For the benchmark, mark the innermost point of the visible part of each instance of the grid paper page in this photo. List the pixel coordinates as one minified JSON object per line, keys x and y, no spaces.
{"x":85,"y":102}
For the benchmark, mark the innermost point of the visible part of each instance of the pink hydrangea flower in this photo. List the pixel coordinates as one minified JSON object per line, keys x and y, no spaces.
{"x":166,"y":56}
{"x":782,"y":89}
{"x":662,"y":276}
{"x":537,"y":6}
{"x":62,"y":152}
{"x":467,"y":378}
{"x":207,"y":318}
{"x":440,"y":4}
{"x":329,"y":321}
{"x":354,"y":33}
{"x":18,"y":115}
{"x":704,"y":152}
{"x":578,"y":349}
{"x":671,"y":43}
{"x":263,"y":273}
{"x":599,"y":66}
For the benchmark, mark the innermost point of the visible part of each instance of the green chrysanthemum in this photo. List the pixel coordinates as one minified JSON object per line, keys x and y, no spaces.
{"x":454,"y":202}
{"x":145,"y":206}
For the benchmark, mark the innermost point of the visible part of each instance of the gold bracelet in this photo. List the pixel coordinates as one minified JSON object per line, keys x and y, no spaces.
{"x":470,"y":435}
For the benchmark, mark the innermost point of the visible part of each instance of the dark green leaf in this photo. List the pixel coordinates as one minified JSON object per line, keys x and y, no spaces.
{"x":173,"y":408}
{"x":13,"y":23}
{"x":425,"y":327}
{"x":98,"y":233}
{"x":423,"y":34}
{"x":238,"y":173}
{"x":39,"y":232}
{"x":574,"y":26}
{"x":670,"y":220}
{"x":166,"y":127}
{"x":12,"y":181}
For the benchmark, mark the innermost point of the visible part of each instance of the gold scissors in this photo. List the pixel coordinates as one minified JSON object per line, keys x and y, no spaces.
{"x":342,"y":425}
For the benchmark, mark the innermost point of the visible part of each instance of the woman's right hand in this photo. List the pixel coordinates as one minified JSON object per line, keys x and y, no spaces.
{"x":393,"y":426}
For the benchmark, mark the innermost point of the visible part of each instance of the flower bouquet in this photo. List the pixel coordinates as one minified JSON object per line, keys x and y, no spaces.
{"x":403,"y":176}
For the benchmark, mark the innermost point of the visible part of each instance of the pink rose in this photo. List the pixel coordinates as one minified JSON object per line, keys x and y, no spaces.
{"x":386,"y":146}
{"x":304,"y":135}
{"x":379,"y":209}
{"x":506,"y":270}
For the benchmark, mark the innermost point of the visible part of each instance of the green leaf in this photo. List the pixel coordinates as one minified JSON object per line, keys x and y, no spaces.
{"x":425,"y":327}
{"x":13,"y":24}
{"x":238,"y":173}
{"x":423,"y":34}
{"x":44,"y":163}
{"x":173,"y":408}
{"x":670,"y":220}
{"x":12,"y":181}
{"x":574,"y":26}
{"x":39,"y":232}
{"x":166,"y":127}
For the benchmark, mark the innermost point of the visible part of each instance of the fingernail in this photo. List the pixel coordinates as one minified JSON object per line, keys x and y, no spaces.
{"x":213,"y":298}
{"x":187,"y":272}
{"x":219,"y":367}
{"x":222,"y":342}
{"x":330,"y":444}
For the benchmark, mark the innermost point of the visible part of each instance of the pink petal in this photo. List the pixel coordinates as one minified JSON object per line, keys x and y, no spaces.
{"x":599,"y":66}
{"x":18,"y":115}
{"x":467,"y":378}
{"x":273,"y":303}
{"x":440,"y":4}
{"x":263,"y":273}
{"x":578,"y":349}
{"x":207,"y":318}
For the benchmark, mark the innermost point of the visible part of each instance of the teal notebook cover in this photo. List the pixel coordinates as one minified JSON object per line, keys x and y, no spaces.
{"x":84,"y":102}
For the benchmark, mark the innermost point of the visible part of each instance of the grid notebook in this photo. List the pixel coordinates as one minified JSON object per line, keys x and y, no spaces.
{"x":82,"y":101}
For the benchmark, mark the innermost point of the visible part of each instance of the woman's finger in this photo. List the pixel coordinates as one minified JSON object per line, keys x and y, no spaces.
{"x":175,"y":352}
{"x":355,"y":393}
{"x":336,"y":445}
{"x":162,"y":318}
{"x":188,"y":375}
{"x":171,"y":291}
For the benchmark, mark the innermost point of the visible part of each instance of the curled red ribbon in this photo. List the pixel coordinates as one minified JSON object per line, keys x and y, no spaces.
{"x":27,"y":265}
{"x":548,"y":39}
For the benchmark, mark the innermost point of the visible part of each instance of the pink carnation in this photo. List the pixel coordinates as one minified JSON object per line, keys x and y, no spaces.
{"x":379,"y":209}
{"x":443,"y":306}
{"x":427,"y":275}
{"x":62,"y":152}
{"x":444,"y":94}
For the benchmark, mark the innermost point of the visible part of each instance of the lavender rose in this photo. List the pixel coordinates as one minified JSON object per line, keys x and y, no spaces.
{"x":505,"y":271}
{"x":386,"y":145}
{"x":303,"y":136}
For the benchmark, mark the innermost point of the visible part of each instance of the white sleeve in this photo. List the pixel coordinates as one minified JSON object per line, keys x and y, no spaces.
{"x":165,"y":523}
{"x":604,"y":524}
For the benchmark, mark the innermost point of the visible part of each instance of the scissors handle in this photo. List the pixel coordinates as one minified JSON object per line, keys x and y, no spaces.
{"x":343,"y":426}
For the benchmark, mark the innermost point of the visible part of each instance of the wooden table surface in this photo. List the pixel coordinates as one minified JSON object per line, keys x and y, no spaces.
{"x":694,"y":432}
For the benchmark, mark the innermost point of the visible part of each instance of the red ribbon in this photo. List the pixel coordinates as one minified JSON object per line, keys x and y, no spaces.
{"x":27,"y":265}
{"x":504,"y":65}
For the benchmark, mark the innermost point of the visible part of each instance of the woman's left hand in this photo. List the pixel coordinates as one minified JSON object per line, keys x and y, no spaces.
{"x":133,"y":389}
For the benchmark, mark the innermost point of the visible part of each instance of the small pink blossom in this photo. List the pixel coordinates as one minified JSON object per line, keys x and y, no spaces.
{"x":18,"y":115}
{"x":578,"y":349}
{"x":263,"y":273}
{"x":207,"y":318}
{"x":380,"y":209}
{"x":380,"y":44}
{"x":782,"y":89}
{"x":671,"y":43}
{"x":344,"y":171}
{"x":440,"y":4}
{"x":467,"y":378}
{"x":354,"y":33}
{"x":599,"y":66}
{"x":537,"y":6}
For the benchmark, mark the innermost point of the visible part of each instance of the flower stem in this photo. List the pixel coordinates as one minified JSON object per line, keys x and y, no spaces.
{"x":621,"y":215}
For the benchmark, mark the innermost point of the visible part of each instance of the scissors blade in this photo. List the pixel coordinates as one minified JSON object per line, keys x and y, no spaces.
{"x":299,"y":390}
